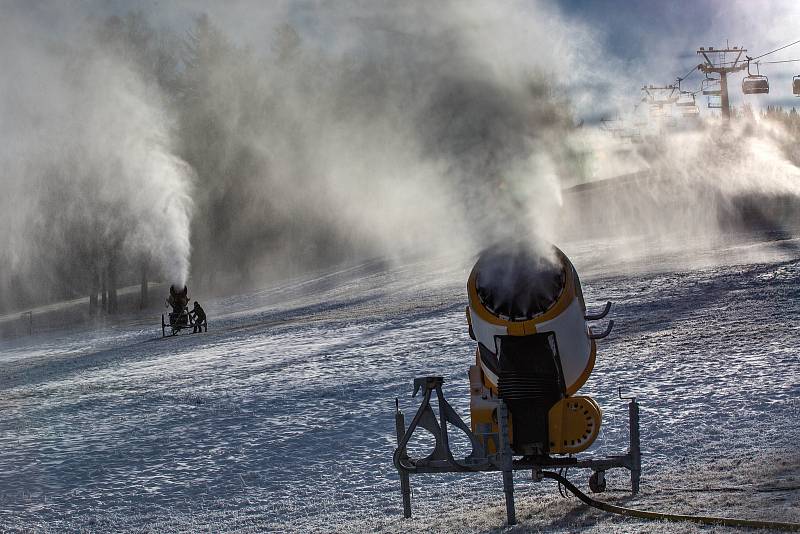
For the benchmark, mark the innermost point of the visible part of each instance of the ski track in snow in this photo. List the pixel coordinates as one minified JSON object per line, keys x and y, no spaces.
{"x":280,"y":418}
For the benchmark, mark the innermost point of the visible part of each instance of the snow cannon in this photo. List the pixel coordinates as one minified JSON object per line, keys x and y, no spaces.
{"x":535,"y":349}
{"x":179,"y":318}
{"x":178,"y":299}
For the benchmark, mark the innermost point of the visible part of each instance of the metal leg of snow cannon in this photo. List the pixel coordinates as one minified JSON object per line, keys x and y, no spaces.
{"x":633,"y":460}
{"x":441,"y":459}
{"x":635,"y":449}
{"x":405,"y":483}
{"x":506,"y":460}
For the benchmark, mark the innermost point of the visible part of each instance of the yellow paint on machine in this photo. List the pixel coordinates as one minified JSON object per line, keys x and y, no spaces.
{"x":574,"y":421}
{"x":573,"y":424}
{"x":525,"y":328}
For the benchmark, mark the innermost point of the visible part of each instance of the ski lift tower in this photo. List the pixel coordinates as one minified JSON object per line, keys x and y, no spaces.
{"x":716,"y":60}
{"x":659,"y":97}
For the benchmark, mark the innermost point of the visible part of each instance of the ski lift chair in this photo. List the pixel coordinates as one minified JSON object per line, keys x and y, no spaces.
{"x":755,"y":84}
{"x":690,"y":111}
{"x":687,"y":105}
{"x":686,"y":101}
{"x":710,"y":87}
{"x":796,"y":85}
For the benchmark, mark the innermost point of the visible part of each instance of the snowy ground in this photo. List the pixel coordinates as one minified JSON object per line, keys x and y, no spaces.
{"x":280,"y":418}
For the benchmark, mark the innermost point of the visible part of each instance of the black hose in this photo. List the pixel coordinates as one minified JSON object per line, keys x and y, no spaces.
{"x":714,"y":489}
{"x":644,"y":514}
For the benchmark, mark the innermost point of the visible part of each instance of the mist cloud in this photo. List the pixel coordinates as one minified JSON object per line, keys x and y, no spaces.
{"x":229,"y":144}
{"x":90,"y":177}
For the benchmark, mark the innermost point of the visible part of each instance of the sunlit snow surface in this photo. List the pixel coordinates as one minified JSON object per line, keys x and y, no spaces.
{"x":280,"y":418}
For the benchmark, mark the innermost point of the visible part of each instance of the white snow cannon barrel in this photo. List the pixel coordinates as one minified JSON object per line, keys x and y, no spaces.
{"x":535,"y":350}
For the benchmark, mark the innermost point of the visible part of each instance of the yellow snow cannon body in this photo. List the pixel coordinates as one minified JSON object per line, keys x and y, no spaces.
{"x":534,"y":351}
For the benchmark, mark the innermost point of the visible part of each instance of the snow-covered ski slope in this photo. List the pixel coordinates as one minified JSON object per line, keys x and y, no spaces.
{"x":280,"y":418}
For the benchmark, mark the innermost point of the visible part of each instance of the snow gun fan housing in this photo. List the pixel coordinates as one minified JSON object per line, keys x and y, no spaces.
{"x":535,"y":350}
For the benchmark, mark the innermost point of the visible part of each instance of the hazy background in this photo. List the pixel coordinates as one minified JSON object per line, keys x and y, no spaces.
{"x":230,"y":144}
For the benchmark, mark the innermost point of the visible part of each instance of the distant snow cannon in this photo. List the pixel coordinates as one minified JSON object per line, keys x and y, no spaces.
{"x":179,"y":318}
{"x":178,"y":298}
{"x":535,"y":349}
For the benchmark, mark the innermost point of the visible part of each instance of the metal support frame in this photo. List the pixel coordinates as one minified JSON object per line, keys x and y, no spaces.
{"x":651,"y":93}
{"x":723,"y":68}
{"x":441,"y":460}
{"x":635,"y":451}
{"x":405,"y":484}
{"x":506,"y":461}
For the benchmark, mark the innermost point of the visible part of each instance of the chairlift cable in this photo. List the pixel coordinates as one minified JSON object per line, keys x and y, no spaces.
{"x":686,"y":76}
{"x":782,"y":61}
{"x":772,"y":51}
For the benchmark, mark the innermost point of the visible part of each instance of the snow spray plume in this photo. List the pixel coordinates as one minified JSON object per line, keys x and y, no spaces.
{"x":681,"y":189}
{"x":91,"y":184}
{"x":376,"y":128}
